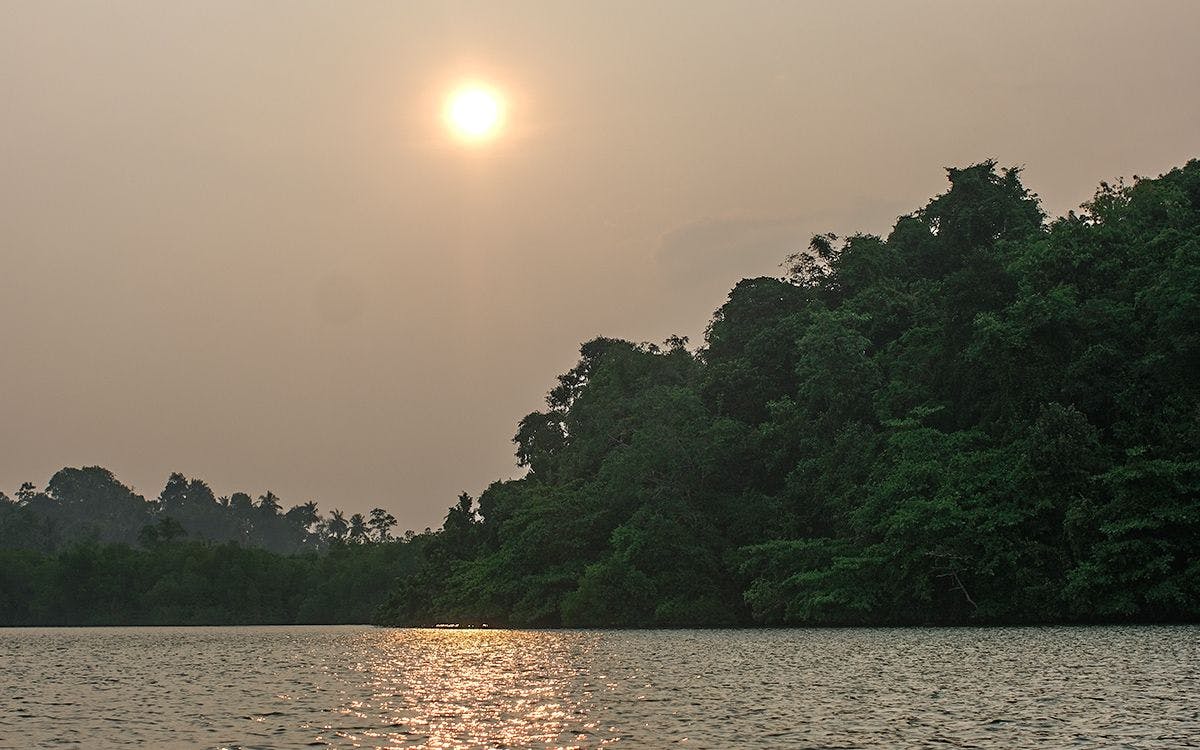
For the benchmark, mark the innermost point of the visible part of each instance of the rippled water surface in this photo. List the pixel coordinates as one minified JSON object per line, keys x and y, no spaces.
{"x":362,"y":687}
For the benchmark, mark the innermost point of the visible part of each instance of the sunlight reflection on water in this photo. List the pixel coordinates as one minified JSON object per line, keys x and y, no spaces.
{"x":362,"y":687}
{"x":450,"y":688}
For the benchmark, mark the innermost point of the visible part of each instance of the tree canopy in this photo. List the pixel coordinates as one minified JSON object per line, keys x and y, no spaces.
{"x":984,"y":416}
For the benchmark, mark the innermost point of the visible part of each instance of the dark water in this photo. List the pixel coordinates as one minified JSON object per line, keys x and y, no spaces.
{"x":361,"y":687}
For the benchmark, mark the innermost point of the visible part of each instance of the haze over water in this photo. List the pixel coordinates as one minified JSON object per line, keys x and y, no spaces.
{"x":271,"y":687}
{"x":237,"y":242}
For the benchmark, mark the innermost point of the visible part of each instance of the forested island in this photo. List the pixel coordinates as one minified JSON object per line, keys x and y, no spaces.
{"x":984,"y":417}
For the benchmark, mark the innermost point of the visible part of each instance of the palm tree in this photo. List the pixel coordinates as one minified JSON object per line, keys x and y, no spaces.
{"x":311,"y":514}
{"x":268,"y":504}
{"x":358,"y":529}
{"x":304,"y":516}
{"x":336,"y":525}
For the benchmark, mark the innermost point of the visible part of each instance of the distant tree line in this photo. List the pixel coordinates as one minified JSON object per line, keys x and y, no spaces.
{"x":983,"y":417}
{"x":87,"y":550}
{"x":90,"y":505}
{"x":180,"y":582}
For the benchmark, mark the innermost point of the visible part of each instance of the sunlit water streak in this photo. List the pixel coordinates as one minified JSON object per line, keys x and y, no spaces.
{"x":362,"y":687}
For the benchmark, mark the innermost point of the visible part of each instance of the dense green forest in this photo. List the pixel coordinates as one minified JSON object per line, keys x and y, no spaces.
{"x":983,"y":417}
{"x":88,"y":550}
{"x":181,"y":582}
{"x":92,"y":505}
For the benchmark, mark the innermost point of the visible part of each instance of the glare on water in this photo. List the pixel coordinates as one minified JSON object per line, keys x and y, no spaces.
{"x":363,"y":687}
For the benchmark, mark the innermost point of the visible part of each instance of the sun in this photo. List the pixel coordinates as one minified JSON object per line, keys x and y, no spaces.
{"x":475,"y":113}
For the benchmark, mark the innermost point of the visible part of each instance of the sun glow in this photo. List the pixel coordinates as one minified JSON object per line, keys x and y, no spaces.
{"x":475,"y":113}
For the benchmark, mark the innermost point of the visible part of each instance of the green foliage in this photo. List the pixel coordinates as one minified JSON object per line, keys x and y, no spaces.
{"x":979,"y":418}
{"x":90,"y":504}
{"x":197,"y":583}
{"x":88,"y":551}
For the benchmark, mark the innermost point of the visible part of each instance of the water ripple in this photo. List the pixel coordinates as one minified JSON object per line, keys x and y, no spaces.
{"x":360,"y":687}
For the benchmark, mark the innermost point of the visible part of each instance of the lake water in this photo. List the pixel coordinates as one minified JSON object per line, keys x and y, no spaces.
{"x":274,"y":687}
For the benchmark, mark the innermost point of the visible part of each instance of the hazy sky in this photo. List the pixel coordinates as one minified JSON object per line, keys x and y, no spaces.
{"x":237,"y":242}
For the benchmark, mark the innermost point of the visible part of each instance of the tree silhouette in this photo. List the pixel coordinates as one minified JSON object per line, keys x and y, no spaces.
{"x":980,"y":417}
{"x":358,"y":529}
{"x":336,"y":526}
{"x":381,"y":524}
